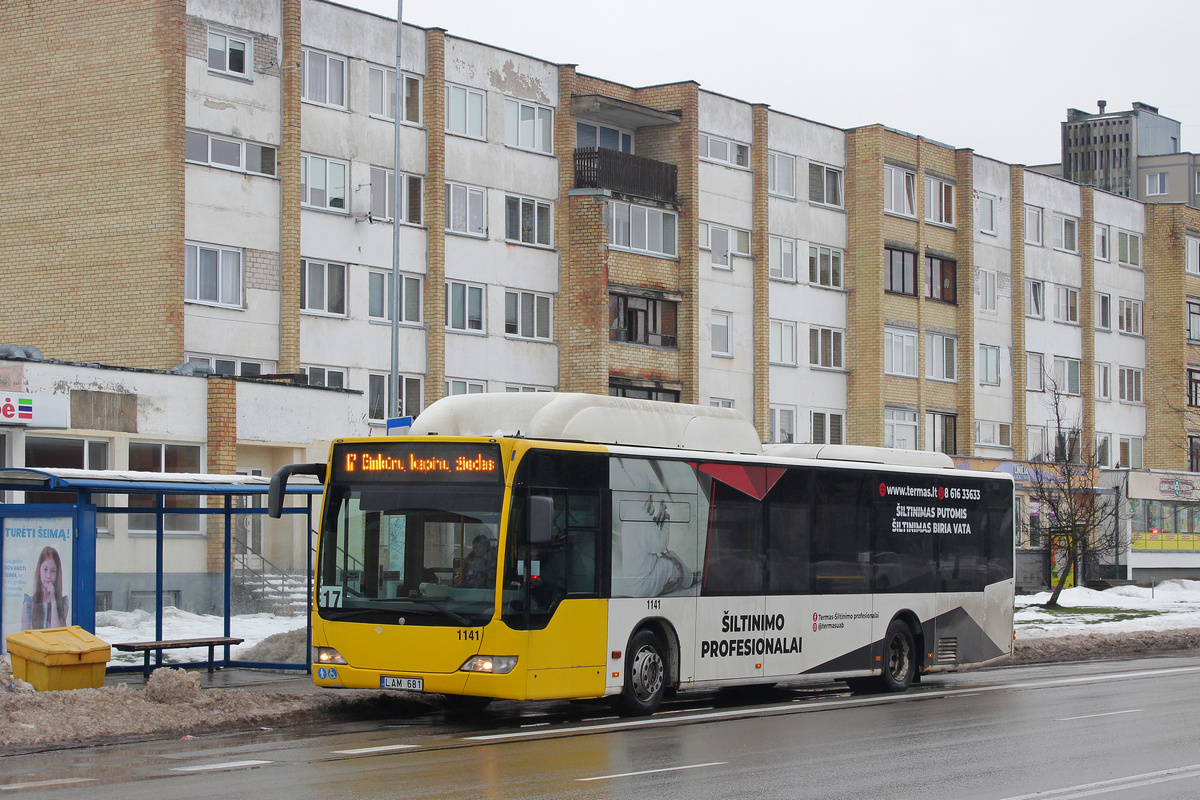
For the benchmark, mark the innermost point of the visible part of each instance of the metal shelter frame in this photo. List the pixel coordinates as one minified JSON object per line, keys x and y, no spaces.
{"x":86,"y":483}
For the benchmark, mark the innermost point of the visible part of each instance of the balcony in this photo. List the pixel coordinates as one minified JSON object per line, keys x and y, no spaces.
{"x":600,"y":168}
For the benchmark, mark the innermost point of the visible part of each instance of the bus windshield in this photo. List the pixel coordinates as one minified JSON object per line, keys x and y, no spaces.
{"x":410,"y":552}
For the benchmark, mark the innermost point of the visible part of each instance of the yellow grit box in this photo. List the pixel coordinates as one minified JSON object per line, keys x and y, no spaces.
{"x":59,"y":658}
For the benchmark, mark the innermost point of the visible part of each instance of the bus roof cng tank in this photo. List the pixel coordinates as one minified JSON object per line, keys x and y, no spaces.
{"x":590,"y":418}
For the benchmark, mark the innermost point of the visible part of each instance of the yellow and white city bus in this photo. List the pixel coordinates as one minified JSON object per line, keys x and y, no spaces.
{"x":536,"y":546}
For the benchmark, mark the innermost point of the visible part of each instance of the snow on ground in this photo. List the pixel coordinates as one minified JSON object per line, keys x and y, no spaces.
{"x":1170,"y":606}
{"x":139,"y":626}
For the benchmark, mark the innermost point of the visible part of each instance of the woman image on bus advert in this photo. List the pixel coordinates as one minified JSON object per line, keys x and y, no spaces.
{"x":479,"y":567}
{"x":47,"y":607}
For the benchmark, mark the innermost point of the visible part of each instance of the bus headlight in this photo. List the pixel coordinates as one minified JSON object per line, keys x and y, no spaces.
{"x":497,"y":665}
{"x":327,"y":655}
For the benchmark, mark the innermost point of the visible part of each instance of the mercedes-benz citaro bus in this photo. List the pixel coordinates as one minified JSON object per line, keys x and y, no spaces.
{"x":541,"y":545}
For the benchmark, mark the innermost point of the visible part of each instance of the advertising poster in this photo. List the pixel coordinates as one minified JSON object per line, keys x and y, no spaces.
{"x":37,"y":573}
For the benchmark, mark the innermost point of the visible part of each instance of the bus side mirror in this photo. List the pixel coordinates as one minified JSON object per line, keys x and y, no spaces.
{"x":279,"y":484}
{"x":541,"y":519}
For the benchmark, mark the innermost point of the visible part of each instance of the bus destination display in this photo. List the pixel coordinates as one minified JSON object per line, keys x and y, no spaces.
{"x":418,"y":461}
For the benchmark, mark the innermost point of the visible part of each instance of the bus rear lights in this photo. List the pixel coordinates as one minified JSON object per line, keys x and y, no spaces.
{"x":497,"y":665}
{"x":616,"y":655}
{"x":327,"y":655}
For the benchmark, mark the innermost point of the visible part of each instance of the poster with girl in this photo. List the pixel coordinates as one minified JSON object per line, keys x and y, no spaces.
{"x":37,"y":573}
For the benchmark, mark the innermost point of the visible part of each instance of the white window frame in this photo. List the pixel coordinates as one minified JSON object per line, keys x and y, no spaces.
{"x":377,"y":396}
{"x":941,"y":357}
{"x":823,"y":428}
{"x":1103,"y":311}
{"x":899,"y":191}
{"x":462,"y":299}
{"x":1192,"y":310}
{"x":936,"y":436}
{"x":309,"y":91}
{"x":781,"y":175}
{"x":381,"y":95}
{"x":539,"y":214}
{"x":783,"y":424}
{"x":323,"y":376}
{"x":1035,"y":371}
{"x":720,"y":402}
{"x":1104,"y":450}
{"x":528,"y":315}
{"x":232,"y":366}
{"x":1129,"y":249}
{"x":987,"y":221}
{"x":1033,"y":225}
{"x":456,"y":386}
{"x":1066,"y":305}
{"x":624,"y":136}
{"x":313,"y":165}
{"x":989,"y":365}
{"x":224,"y":70}
{"x":1103,"y":381}
{"x":383,"y":196}
{"x":333,"y":275}
{"x":720,"y":150}
{"x":831,"y":181}
{"x":229,"y":275}
{"x":721,"y":325}
{"x":900,"y":344}
{"x":1101,"y":251}
{"x":1157,"y":184}
{"x":816,"y":267}
{"x":1035,"y":298}
{"x":1129,"y":316}
{"x":941,"y":212}
{"x":1066,"y":375}
{"x":1066,"y":234}
{"x":826,"y":348}
{"x":538,"y":135}
{"x":724,"y":242}
{"x":246,"y":152}
{"x":896,"y":420}
{"x":379,"y":298}
{"x":987,"y":290}
{"x":519,"y":388}
{"x":472,"y":103}
{"x":631,"y":228}
{"x":782,"y":342}
{"x":1035,"y":443}
{"x":466,"y":210}
{"x":992,"y":433}
{"x":1192,"y":264}
{"x":781,"y":257}
{"x":1131,"y":452}
{"x":1129,"y":385}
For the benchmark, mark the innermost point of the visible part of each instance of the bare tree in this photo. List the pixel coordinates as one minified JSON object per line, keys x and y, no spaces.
{"x":1078,"y":519}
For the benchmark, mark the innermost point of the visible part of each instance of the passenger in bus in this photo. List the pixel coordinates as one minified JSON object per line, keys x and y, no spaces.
{"x":479,"y":567}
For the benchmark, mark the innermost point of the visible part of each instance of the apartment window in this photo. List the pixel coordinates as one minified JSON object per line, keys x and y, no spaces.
{"x":642,"y":320}
{"x":155,"y":457}
{"x":900,"y":352}
{"x":828,"y":427}
{"x":900,"y":271}
{"x":325,"y":376}
{"x":781,"y":175}
{"x":722,"y":344}
{"x":723,"y":242}
{"x":49,"y":452}
{"x":1193,"y":320}
{"x":782,"y":342}
{"x":1068,"y":446}
{"x":1130,"y":452}
{"x":230,"y":55}
{"x":940,"y":280}
{"x":1103,"y":450}
{"x":379,"y":297}
{"x":989,"y":365}
{"x":322,"y":287}
{"x":464,"y":306}
{"x":825,"y":348}
{"x":1033,"y":225}
{"x":323,"y":182}
{"x":1103,"y":311}
{"x":1035,"y":299}
{"x":1035,"y":372}
{"x":228,"y":366}
{"x":324,"y":79}
{"x":212,"y":274}
{"x":941,"y":357}
{"x":1035,"y":443}
{"x":720,"y":402}
{"x":1066,"y":375}
{"x":825,"y":266}
{"x":383,"y":196}
{"x":409,"y":399}
{"x":465,"y":210}
{"x":941,"y":433}
{"x":1129,"y":249}
{"x":1129,"y":385}
{"x":517,"y":388}
{"x":619,"y":389}
{"x":1129,"y":319}
{"x":987,"y":290}
{"x":781,"y":256}
{"x":589,"y":134}
{"x":1193,"y":256}
{"x":382,"y":95}
{"x":783,"y":424}
{"x":824,"y":185}
{"x":1103,"y":381}
{"x":642,"y":229}
{"x":1066,"y":234}
{"x":527,"y":220}
{"x":713,"y":148}
{"x":990,"y":433}
{"x":528,"y":126}
{"x":527,"y":315}
{"x":939,"y":201}
{"x":464,"y":111}
{"x":1193,"y":448}
{"x":1066,"y":304}
{"x":215,"y":151}
{"x":1101,"y":250}
{"x":900,"y":428}
{"x":1156,"y":183}
{"x":1194,"y":388}
{"x":899,"y":190}
{"x":987,"y":214}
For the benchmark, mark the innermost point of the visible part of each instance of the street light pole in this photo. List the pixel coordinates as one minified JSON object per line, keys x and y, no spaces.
{"x":393,"y":404}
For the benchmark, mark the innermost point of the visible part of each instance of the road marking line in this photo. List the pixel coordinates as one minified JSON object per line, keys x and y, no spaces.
{"x":226,"y":765}
{"x":1113,"y":785}
{"x":383,"y":748}
{"x":1093,"y":716}
{"x":9,"y":787}
{"x":652,"y":771}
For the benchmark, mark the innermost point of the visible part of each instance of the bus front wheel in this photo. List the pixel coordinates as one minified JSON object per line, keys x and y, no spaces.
{"x":900,"y":658}
{"x":645,"y":674}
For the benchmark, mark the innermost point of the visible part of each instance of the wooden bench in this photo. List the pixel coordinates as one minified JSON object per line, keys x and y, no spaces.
{"x":146,"y":648}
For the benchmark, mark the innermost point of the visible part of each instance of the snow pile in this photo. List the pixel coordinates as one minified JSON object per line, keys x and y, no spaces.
{"x":139,"y":626}
{"x":173,"y":686}
{"x":1170,"y":606}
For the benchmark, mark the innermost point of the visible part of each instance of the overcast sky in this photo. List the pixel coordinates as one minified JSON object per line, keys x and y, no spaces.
{"x":997,"y":77}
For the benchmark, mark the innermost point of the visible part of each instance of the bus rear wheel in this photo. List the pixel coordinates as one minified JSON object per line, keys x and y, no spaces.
{"x":645,"y":674}
{"x":899,"y":657}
